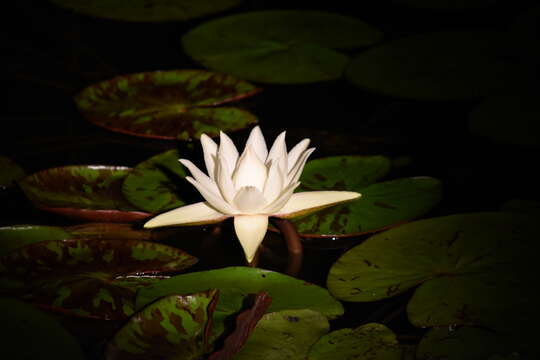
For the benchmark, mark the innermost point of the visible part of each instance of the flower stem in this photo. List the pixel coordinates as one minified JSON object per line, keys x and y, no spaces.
{"x":294,"y":246}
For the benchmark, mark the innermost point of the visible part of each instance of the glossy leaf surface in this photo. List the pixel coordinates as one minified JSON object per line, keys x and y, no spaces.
{"x":147,"y":10}
{"x":436,"y":66}
{"x":28,"y":333}
{"x":16,"y":236}
{"x":167,"y":104}
{"x":153,"y":185}
{"x":92,"y":278}
{"x":369,"y":341}
{"x":286,"y":334}
{"x":174,"y":327}
{"x":278,"y":46}
{"x":84,"y":192}
{"x":469,"y":268}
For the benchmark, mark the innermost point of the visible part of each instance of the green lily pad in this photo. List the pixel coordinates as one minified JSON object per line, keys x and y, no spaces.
{"x":286,"y":334}
{"x":508,"y":119}
{"x":147,"y":10}
{"x":153,"y":186}
{"x":174,"y":327}
{"x":176,"y":104}
{"x":469,"y":268}
{"x":382,"y":204}
{"x":10,"y":172}
{"x":91,"y":278}
{"x":448,"y":4}
{"x":436,"y":66}
{"x":84,"y":192}
{"x":279,"y":46}
{"x":235,"y":283}
{"x":369,"y":341}
{"x":16,"y":236}
{"x":28,"y":333}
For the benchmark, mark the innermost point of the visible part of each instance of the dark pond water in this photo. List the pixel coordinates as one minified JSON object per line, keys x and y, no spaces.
{"x":53,"y":53}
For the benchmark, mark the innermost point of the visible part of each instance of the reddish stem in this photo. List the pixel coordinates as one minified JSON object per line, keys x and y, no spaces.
{"x":294,"y":246}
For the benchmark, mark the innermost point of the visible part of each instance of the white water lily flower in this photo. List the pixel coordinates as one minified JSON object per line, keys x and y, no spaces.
{"x":250,"y":187}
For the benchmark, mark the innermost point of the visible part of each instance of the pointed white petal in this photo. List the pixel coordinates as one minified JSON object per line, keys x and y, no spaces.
{"x":256,"y":140}
{"x":296,"y":171}
{"x":214,"y":200}
{"x":224,"y":181}
{"x":250,"y":171}
{"x":194,"y":214}
{"x":250,"y":230}
{"x":281,"y":200}
{"x":249,"y":200}
{"x":210,"y":154}
{"x":274,"y":183}
{"x":278,"y":152}
{"x":200,"y":177}
{"x":309,"y":201}
{"x":295,"y":153}
{"x":228,"y":150}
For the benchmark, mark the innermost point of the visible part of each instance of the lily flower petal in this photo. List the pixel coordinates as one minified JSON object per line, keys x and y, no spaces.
{"x":309,"y":201}
{"x":295,"y":153}
{"x":210,"y":154}
{"x":274,"y":183}
{"x":249,"y":200}
{"x":194,"y":214}
{"x":278,"y":152}
{"x":250,"y":230}
{"x":250,"y":171}
{"x":257,"y":142}
{"x":224,"y":180}
{"x":213,"y":199}
{"x":227,"y":148}
{"x":281,"y":200}
{"x":200,"y":177}
{"x":294,"y":175}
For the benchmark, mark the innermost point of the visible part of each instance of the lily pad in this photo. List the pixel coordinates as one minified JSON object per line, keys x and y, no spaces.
{"x":436,"y":66}
{"x":508,"y":119}
{"x":369,"y":341}
{"x":278,"y":46}
{"x":147,"y":10}
{"x":524,"y":206}
{"x":174,"y":327}
{"x":16,"y":236}
{"x":10,"y":172}
{"x":286,"y":334}
{"x":465,"y":343}
{"x":468,"y":267}
{"x":235,"y":283}
{"x":177,"y":104}
{"x":381,"y":205}
{"x":91,"y":278}
{"x":83,"y":192}
{"x":153,"y":186}
{"x":48,"y":340}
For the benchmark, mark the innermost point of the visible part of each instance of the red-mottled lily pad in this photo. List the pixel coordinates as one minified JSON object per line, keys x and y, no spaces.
{"x":286,"y":334}
{"x":382,"y":204}
{"x":370,"y":341}
{"x":85,"y":192}
{"x":48,"y":339}
{"x":92,"y":278}
{"x":153,"y":185}
{"x":508,"y":119}
{"x":147,"y":10}
{"x":174,"y":327}
{"x":235,"y":283}
{"x":279,"y":46}
{"x":16,"y":236}
{"x":178,"y":104}
{"x":10,"y":172}
{"x":436,"y":66}
{"x":471,"y":269}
